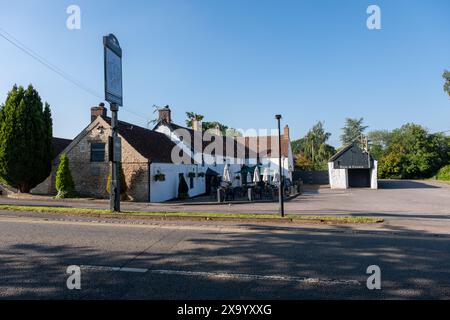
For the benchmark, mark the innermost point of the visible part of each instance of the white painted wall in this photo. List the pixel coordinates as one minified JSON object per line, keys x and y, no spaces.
{"x":161,"y":191}
{"x":338,"y":177}
{"x":374,"y":176}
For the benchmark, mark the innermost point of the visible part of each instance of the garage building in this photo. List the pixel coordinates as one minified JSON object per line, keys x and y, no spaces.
{"x":353,"y":167}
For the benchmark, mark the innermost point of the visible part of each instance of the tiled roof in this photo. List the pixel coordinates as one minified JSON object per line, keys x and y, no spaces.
{"x":59,"y":144}
{"x":255,"y":144}
{"x":206,"y":143}
{"x":267,"y":145}
{"x":152,"y":145}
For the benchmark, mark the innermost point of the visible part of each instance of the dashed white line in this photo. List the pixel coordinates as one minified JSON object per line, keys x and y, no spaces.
{"x":224,"y":275}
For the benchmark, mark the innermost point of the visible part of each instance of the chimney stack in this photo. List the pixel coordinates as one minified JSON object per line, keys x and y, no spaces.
{"x":165,"y":115}
{"x":99,"y":110}
{"x":286,"y":133}
{"x":196,"y":125}
{"x":217,"y":130}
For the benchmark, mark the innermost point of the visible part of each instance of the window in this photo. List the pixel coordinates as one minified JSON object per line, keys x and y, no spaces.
{"x":191,"y":182}
{"x":97,"y":152}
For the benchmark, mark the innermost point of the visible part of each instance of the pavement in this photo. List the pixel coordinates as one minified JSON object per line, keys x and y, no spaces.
{"x":148,"y":259}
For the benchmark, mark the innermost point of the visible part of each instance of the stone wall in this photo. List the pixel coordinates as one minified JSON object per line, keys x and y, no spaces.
{"x":90,"y":178}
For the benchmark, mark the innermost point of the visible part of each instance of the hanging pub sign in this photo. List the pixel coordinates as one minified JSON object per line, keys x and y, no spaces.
{"x":113,"y":70}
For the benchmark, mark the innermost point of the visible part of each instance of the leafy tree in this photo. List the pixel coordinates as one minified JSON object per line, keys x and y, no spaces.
{"x":446,"y":77}
{"x":210,"y":125}
{"x":183,"y":189}
{"x":123,"y":183}
{"x":24,"y":139}
{"x":410,"y":152}
{"x":378,"y":142}
{"x":64,"y":181}
{"x":352,"y":130}
{"x":302,"y":162}
{"x":312,"y":150}
{"x":193,"y":115}
{"x":391,"y":164}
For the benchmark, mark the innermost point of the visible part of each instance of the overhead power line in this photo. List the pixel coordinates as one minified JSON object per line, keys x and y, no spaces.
{"x":19,"y":45}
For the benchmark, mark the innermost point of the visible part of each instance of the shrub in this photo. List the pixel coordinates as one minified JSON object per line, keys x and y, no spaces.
{"x":160,"y":176}
{"x":64,"y":182}
{"x":444,"y":173}
{"x":183,"y":189}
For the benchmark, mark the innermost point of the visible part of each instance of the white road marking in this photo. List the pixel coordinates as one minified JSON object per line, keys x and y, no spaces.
{"x":115,"y":269}
{"x":225,"y":275}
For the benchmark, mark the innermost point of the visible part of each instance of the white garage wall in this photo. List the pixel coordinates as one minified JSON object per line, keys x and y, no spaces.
{"x":374,"y":176}
{"x":338,"y":177}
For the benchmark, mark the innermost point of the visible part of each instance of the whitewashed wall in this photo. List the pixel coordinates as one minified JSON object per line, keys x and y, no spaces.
{"x":374,"y":176}
{"x":338,"y":177}
{"x":161,"y":191}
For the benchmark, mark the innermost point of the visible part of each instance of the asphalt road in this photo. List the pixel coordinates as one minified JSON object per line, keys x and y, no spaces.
{"x":177,"y":261}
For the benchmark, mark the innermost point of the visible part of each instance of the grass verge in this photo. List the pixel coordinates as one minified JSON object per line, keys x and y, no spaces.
{"x":222,"y":216}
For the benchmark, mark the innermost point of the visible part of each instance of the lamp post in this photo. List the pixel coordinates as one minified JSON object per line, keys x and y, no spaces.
{"x":280,"y":188}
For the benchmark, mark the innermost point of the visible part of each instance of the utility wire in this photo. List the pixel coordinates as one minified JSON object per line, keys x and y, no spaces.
{"x":12,"y":40}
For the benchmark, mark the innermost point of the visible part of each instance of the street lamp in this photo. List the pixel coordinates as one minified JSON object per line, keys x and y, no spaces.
{"x":280,"y":188}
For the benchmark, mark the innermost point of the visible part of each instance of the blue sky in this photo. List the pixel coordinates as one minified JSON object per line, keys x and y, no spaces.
{"x":240,"y":62}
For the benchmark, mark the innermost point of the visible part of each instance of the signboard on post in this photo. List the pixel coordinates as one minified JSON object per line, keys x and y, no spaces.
{"x":113,"y":70}
{"x":113,"y":94}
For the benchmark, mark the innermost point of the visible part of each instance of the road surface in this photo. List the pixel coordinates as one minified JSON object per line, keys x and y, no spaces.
{"x":216,"y":261}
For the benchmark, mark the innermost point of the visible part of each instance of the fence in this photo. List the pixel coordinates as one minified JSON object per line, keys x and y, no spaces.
{"x":312,"y":177}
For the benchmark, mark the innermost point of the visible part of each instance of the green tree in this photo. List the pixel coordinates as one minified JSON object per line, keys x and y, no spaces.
{"x":352,"y":130}
{"x":446,"y":77}
{"x":192,"y":115}
{"x":209,"y":125}
{"x":379,"y":140}
{"x":24,"y":139}
{"x":312,"y":150}
{"x":48,"y":127}
{"x":410,"y":152}
{"x":302,"y":162}
{"x":64,"y":181}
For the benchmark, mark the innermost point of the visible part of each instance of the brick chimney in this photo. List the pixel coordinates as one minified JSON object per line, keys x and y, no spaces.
{"x":196,"y":125}
{"x":99,"y":110}
{"x":165,"y":114}
{"x":286,"y":133}
{"x":217,"y":130}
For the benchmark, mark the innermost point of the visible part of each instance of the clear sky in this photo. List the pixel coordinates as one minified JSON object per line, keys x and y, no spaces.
{"x":239,"y":61}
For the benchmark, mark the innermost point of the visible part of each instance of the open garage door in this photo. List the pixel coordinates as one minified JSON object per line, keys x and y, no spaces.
{"x":359,"y":178}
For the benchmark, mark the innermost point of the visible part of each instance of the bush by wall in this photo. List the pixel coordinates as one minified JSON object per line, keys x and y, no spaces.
{"x":64,"y":181}
{"x":444,"y":173}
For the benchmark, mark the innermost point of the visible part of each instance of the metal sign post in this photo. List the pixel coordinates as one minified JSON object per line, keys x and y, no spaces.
{"x":113,"y":94}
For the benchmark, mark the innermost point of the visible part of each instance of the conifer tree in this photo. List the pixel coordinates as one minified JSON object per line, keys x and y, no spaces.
{"x":24,"y":139}
{"x":64,"y":181}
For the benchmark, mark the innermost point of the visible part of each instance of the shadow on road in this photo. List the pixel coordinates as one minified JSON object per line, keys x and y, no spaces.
{"x":413,"y":268}
{"x":405,"y":184}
